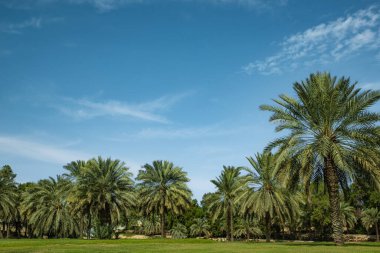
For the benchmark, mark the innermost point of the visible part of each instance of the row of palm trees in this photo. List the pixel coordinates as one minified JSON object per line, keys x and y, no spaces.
{"x":331,"y":137}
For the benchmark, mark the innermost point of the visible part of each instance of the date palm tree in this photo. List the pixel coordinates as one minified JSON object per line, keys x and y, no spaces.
{"x":82,"y":206}
{"x":8,"y":195}
{"x":229,"y":186}
{"x":267,"y":197}
{"x":163,"y":188}
{"x":200,"y":227}
{"x":178,"y":231}
{"x":247,"y":226}
{"x":328,"y":123}
{"x":371,"y":217}
{"x":48,"y":208}
{"x":349,"y":218}
{"x":105,"y":187}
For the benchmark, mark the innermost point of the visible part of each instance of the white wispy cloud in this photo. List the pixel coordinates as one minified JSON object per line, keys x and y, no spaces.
{"x":39,"y":151}
{"x":326,"y":42}
{"x":108,"y":5}
{"x":32,"y":23}
{"x":370,"y":85}
{"x":16,"y":28}
{"x":149,"y":111}
{"x":195,"y":132}
{"x":260,"y":4}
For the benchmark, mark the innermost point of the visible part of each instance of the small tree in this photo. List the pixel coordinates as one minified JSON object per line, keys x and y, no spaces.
{"x":370,"y":218}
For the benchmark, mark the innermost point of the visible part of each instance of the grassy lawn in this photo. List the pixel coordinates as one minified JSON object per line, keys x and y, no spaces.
{"x":183,"y":246}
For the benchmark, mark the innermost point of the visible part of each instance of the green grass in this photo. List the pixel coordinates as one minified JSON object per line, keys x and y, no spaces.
{"x":183,"y":246}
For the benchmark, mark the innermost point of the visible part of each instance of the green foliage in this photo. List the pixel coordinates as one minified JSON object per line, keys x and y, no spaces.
{"x":162,"y":188}
{"x":200,"y":227}
{"x":230,"y":185}
{"x":247,"y":227}
{"x":330,"y":132}
{"x":267,"y":197}
{"x":178,"y":231}
{"x":48,"y":209}
{"x":8,"y":195}
{"x":371,"y":218}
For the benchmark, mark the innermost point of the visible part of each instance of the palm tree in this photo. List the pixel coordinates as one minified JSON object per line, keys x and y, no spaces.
{"x":246,"y":227}
{"x":229,"y":185}
{"x":48,"y":209}
{"x":163,"y":188}
{"x":328,"y":124}
{"x":8,"y":196}
{"x":371,"y":217}
{"x":348,"y":215}
{"x":200,"y":227}
{"x":105,"y":188}
{"x":267,"y":196}
{"x":81,"y":206}
{"x":178,"y":231}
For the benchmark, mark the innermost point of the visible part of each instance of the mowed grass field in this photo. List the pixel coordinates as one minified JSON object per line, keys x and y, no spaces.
{"x":183,"y":246}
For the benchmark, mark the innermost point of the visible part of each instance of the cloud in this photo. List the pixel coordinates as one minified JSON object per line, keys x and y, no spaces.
{"x":87,"y":109}
{"x":39,"y":151}
{"x":32,"y":23}
{"x":370,"y":85}
{"x":16,"y":28}
{"x":109,"y":5}
{"x":326,"y":42}
{"x":106,"y":5}
{"x":185,"y":133}
{"x":257,"y":4}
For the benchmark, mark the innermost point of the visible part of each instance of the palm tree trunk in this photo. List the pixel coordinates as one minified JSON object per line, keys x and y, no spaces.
{"x":228,"y":223}
{"x":232,"y":224}
{"x":89,"y":227}
{"x":267,"y":227}
{"x":162,"y":217}
{"x":377,"y":231}
{"x":331,"y":180}
{"x":162,"y":220}
{"x":8,"y":230}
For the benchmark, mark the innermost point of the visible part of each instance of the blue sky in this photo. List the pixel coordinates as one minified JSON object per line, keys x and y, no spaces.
{"x":178,"y":80}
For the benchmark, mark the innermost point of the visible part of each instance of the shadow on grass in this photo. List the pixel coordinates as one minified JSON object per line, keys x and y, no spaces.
{"x":331,"y":244}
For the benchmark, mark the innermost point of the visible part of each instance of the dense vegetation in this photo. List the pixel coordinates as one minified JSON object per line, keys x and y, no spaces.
{"x":317,"y":182}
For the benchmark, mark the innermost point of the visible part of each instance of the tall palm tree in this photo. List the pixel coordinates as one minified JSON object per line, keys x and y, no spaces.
{"x":82,"y":204}
{"x":267,"y":196}
{"x":48,"y":209}
{"x":8,"y":195}
{"x":162,"y":188}
{"x":371,"y":217}
{"x":229,"y":186}
{"x":105,"y":188}
{"x":328,"y":123}
{"x":200,"y":227}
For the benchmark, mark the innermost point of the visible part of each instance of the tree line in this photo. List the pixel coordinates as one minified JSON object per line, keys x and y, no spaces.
{"x":317,"y":181}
